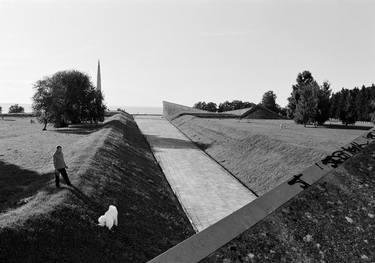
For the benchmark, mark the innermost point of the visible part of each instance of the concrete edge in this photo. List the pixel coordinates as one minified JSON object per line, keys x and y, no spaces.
{"x":212,"y":238}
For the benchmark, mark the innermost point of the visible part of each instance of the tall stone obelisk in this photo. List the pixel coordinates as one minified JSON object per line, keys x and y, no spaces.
{"x":98,"y":79}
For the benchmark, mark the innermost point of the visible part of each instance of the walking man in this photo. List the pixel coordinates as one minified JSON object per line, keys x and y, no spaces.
{"x":59,"y":163}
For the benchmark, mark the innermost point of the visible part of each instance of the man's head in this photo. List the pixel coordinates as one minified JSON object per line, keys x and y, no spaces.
{"x":58,"y":148}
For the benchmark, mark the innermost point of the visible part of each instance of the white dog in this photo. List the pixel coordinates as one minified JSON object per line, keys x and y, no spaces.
{"x":109,"y":218}
{"x":282,"y":125}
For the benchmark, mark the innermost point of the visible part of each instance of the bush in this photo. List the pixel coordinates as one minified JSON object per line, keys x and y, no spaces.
{"x":16,"y":109}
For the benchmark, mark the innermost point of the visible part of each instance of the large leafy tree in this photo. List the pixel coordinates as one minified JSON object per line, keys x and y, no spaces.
{"x":324,"y":94}
{"x":67,"y":97}
{"x":307,"y":105}
{"x":303,"y":79}
{"x":304,"y":109}
{"x":211,"y":106}
{"x":200,"y":105}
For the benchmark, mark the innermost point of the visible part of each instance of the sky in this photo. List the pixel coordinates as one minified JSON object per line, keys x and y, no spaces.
{"x":186,"y":51}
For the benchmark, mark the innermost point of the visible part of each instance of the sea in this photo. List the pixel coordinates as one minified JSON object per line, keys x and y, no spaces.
{"x":128,"y":109}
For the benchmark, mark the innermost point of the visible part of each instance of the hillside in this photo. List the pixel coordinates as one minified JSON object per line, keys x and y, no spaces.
{"x":110,"y":165}
{"x":331,"y":221}
{"x":258,"y":152}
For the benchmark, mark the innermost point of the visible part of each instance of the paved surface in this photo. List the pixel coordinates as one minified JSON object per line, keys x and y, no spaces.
{"x":205,"y":190}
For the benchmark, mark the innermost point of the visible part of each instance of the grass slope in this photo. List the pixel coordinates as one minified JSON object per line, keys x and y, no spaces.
{"x":112,"y":165}
{"x":331,"y":221}
{"x":258,"y":152}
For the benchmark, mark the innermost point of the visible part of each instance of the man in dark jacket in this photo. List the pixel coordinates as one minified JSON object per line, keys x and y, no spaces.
{"x":59,"y":163}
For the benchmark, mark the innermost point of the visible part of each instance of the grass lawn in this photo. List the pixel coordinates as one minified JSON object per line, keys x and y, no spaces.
{"x":111,"y":164}
{"x":258,"y":152}
{"x":26,"y":156}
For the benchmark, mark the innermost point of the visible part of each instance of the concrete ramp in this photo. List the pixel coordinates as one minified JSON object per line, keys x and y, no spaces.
{"x":206,"y":191}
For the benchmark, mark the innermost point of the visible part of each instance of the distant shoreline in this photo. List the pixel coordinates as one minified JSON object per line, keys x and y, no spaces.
{"x":128,"y":109}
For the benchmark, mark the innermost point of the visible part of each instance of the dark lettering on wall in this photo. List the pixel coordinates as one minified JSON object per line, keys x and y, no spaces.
{"x":336,"y":158}
{"x":297,"y":180}
{"x":370,"y":135}
{"x":319,"y":166}
{"x":339,"y":157}
{"x":354,"y":147}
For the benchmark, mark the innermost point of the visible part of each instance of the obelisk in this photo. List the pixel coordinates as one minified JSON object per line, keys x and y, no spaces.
{"x":98,"y":79}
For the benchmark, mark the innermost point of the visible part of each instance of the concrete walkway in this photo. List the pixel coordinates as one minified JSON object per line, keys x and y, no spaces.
{"x":205,"y":190}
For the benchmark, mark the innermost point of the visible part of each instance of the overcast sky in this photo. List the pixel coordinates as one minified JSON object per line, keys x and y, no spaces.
{"x":186,"y":51}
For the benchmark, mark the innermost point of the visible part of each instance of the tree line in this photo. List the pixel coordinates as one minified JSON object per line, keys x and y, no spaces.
{"x":224,"y":106}
{"x":268,"y":101}
{"x":310,"y":102}
{"x":14,"y":109}
{"x":354,"y":105}
{"x":313,"y":103}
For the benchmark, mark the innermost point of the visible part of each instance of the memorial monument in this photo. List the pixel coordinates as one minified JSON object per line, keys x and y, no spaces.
{"x":98,"y":79}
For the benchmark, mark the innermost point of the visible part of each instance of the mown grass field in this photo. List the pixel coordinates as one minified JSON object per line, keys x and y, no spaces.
{"x":258,"y":152}
{"x":26,"y":156}
{"x":109,"y":164}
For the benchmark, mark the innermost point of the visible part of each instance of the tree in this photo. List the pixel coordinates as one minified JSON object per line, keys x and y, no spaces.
{"x":372,"y":109}
{"x":283,"y":112}
{"x":210,"y":106}
{"x":324,"y":95}
{"x":16,"y":109}
{"x":307,"y":106}
{"x":67,"y":96}
{"x":201,"y":105}
{"x":334,"y":105}
{"x":363,"y":104}
{"x":303,"y":79}
{"x":347,"y":113}
{"x":1,"y":110}
{"x":234,"y":105}
{"x":269,"y":101}
{"x":225,"y":106}
{"x":320,"y":100}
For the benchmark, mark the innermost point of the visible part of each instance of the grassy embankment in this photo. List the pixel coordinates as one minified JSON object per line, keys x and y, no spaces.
{"x":111,"y":164}
{"x":258,"y":152}
{"x":331,"y":221}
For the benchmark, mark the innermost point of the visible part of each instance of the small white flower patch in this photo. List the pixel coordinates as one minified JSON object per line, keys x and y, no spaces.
{"x":349,"y":220}
{"x":308,"y":238}
{"x":251,"y":255}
